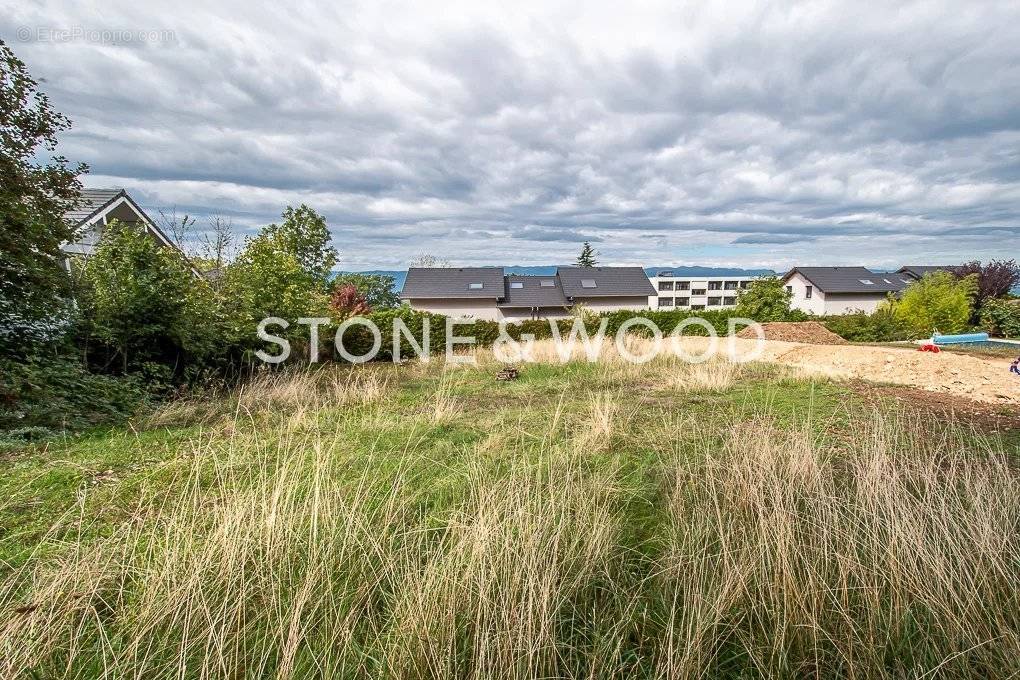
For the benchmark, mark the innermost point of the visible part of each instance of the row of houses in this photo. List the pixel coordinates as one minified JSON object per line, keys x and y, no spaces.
{"x":489,"y":293}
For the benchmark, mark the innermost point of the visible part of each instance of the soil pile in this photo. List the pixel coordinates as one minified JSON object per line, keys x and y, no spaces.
{"x":810,"y":332}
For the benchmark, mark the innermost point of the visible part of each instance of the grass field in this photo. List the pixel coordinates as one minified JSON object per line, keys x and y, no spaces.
{"x":585,"y":520}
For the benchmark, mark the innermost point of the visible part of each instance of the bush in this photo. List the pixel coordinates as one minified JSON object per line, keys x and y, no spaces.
{"x":938,"y":302}
{"x":765,"y":299}
{"x":1001,"y":318}
{"x":39,"y":395}
{"x":880,"y":326}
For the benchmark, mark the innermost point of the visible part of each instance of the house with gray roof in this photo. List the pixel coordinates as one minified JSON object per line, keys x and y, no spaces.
{"x":917,"y":272}
{"x":97,"y":208}
{"x":488,"y":293}
{"x":841,"y":290}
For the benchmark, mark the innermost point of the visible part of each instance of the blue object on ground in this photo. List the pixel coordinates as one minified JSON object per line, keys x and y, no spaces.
{"x":958,"y":339}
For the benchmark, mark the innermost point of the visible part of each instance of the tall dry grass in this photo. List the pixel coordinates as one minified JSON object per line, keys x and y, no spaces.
{"x":756,"y":551}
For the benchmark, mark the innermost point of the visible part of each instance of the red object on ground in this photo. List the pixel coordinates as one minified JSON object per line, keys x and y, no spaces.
{"x":929,"y":347}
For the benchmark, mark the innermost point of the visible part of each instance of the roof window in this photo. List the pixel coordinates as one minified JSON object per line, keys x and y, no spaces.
{"x":474,"y":286}
{"x":588,"y":283}
{"x":867,"y":282}
{"x":548,"y":283}
{"x":517,"y":285}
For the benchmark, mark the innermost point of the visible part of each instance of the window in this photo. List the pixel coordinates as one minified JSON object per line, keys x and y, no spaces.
{"x":807,"y":292}
{"x":517,"y":285}
{"x":665,"y":285}
{"x":548,"y":283}
{"x":729,"y":301}
{"x":715,"y":285}
{"x":744,"y":284}
{"x":714,"y":301}
{"x":683,"y":285}
{"x":730,"y":285}
{"x":698,"y":291}
{"x":697,"y":306}
{"x":665,"y":302}
{"x":789,"y":289}
{"x":474,"y":286}
{"x":887,"y":281}
{"x":867,"y":282}
{"x":683,"y":302}
{"x":588,"y":283}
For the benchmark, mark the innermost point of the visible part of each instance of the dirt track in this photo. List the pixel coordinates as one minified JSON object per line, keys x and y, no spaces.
{"x":979,"y":378}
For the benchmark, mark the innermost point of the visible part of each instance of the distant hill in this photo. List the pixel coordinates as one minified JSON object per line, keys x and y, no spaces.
{"x":399,"y":275}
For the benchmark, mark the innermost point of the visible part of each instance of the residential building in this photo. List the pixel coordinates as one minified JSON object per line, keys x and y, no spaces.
{"x":696,"y":292}
{"x":97,"y":208}
{"x":841,"y":290}
{"x":918,"y":271}
{"x":487,"y":293}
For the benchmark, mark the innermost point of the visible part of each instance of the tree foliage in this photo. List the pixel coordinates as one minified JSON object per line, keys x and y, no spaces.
{"x":377,"y":289}
{"x":1001,"y":318}
{"x":764,"y":299}
{"x":995,"y":278}
{"x":588,"y":256}
{"x":346,"y":302}
{"x":937,"y":302}
{"x":34,"y":198}
{"x":283,"y":272}
{"x":140,"y":303}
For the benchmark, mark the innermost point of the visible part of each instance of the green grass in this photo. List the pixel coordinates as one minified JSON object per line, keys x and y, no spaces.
{"x":586,"y":520}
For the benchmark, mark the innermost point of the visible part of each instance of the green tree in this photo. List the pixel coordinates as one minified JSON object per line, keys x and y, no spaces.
{"x":304,"y":234}
{"x":34,"y":196}
{"x":283,"y":272}
{"x":764,"y":299}
{"x":140,"y":302}
{"x":588,"y":256}
{"x":377,"y":289}
{"x":938,"y":302}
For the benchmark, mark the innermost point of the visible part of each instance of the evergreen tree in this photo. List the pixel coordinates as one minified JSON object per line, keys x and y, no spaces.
{"x":588,"y":256}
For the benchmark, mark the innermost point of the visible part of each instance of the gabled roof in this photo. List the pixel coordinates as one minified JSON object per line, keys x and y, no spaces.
{"x":918,"y":271}
{"x":850,"y":280}
{"x":95,"y":202}
{"x":608,"y":282}
{"x":531,"y":293}
{"x":92,"y":201}
{"x":453,"y":282}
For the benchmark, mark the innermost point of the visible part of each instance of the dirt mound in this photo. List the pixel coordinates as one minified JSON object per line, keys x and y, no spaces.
{"x":810,"y":332}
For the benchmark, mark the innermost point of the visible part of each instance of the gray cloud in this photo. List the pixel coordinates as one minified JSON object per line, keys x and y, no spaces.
{"x":722,"y":133}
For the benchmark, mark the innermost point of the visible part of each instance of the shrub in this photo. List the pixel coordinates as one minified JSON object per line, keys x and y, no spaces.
{"x":1001,"y":318}
{"x":880,"y":326}
{"x":139,"y":303}
{"x":765,"y":299}
{"x":39,"y":395}
{"x":938,"y":302}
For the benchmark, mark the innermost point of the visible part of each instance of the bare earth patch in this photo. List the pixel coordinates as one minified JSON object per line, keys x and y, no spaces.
{"x":979,"y":378}
{"x":795,"y":331}
{"x":986,"y":417}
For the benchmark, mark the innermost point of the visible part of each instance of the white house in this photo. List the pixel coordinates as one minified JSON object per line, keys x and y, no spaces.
{"x":841,"y":290}
{"x":696,"y":292}
{"x":487,"y":293}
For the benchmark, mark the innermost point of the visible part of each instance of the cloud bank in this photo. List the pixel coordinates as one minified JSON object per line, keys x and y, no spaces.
{"x":722,"y":133}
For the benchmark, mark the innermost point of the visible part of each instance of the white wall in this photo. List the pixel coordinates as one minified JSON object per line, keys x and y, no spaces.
{"x":696,"y":283}
{"x":813,"y":305}
{"x":614,"y":304}
{"x":474,"y":309}
{"x":847,"y":303}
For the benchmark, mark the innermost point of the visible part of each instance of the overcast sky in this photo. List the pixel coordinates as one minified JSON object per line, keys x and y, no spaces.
{"x":727,"y":133}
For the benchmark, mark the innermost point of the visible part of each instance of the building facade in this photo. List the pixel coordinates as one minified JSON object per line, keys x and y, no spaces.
{"x":487,"y":293}
{"x":827,"y":291}
{"x":696,"y":292}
